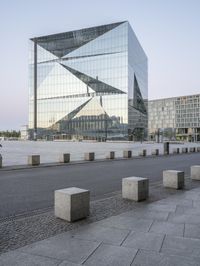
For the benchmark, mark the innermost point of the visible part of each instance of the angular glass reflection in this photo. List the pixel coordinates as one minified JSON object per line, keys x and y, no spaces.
{"x":91,"y":84}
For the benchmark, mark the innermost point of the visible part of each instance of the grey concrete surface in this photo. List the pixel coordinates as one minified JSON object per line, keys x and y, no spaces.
{"x":33,"y":188}
{"x":135,"y":188}
{"x":34,"y":226}
{"x":127,"y":239}
{"x":173,"y":179}
{"x":72,"y":204}
{"x":16,"y":152}
{"x":195,"y":172}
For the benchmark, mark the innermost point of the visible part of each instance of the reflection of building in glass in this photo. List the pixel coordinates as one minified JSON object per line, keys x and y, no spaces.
{"x":24,"y":132}
{"x":89,"y":84}
{"x":175,"y":118}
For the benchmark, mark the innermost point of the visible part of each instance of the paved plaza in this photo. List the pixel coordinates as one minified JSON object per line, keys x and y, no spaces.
{"x":16,"y":152}
{"x":165,"y":232}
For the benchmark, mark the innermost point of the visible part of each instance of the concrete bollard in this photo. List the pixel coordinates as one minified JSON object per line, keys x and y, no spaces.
{"x":198,"y":149}
{"x":72,"y":204}
{"x":176,"y":151}
{"x":143,"y":153}
{"x":111,"y":155}
{"x":195,"y":172}
{"x":166,"y":148}
{"x":89,"y":156}
{"x":1,"y":161}
{"x":127,"y":154}
{"x":33,"y":159}
{"x":192,"y":149}
{"x":155,"y":152}
{"x":173,"y":179}
{"x":184,"y":150}
{"x":64,"y":158}
{"x":135,"y":188}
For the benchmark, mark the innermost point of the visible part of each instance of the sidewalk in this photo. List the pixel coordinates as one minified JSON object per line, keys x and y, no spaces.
{"x":166,"y":232}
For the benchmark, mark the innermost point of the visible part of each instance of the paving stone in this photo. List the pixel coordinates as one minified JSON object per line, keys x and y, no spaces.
{"x":167,"y":228}
{"x":130,"y":223}
{"x":102,"y":234}
{"x":191,"y":195}
{"x":192,"y":211}
{"x":161,"y":207}
{"x":145,"y":214}
{"x":184,"y":218}
{"x":107,"y":255}
{"x":181,"y":201}
{"x":196,"y":203}
{"x":67,"y":263}
{"x":182,"y":209}
{"x":62,"y":247}
{"x":181,"y":246}
{"x":149,"y":258}
{"x":192,"y":231}
{"x":147,"y":241}
{"x":15,"y":258}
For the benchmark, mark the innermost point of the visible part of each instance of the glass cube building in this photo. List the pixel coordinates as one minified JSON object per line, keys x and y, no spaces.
{"x":88,"y":84}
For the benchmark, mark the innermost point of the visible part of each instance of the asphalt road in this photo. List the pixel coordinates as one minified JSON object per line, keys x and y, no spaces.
{"x":32,"y":189}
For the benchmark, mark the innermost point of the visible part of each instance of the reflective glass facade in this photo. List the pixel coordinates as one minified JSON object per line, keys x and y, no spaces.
{"x":88,"y":84}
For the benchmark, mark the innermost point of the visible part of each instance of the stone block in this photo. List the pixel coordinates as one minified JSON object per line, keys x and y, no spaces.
{"x":64,"y":158}
{"x":176,"y":151}
{"x":127,"y":154}
{"x":33,"y":159}
{"x":192,"y":149}
{"x":143,"y":153}
{"x":184,"y":150}
{"x":135,"y":188}
{"x":195,"y":172}
{"x":1,"y":161}
{"x":111,"y":155}
{"x":72,"y":204}
{"x":155,"y":152}
{"x":89,"y":156}
{"x":173,"y":179}
{"x":198,"y":149}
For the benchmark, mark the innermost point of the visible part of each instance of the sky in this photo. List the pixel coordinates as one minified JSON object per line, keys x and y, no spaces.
{"x":169,"y":32}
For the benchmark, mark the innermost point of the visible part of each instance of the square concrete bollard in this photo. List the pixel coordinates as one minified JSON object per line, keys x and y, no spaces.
{"x":135,"y":188}
{"x":195,"y":172}
{"x":72,"y":204}
{"x":89,"y":156}
{"x":33,"y":159}
{"x":127,"y":154}
{"x":192,"y":149}
{"x":155,"y":152}
{"x":184,"y":150}
{"x":111,"y":155}
{"x":173,"y":179}
{"x":143,"y":153}
{"x":1,"y":161}
{"x":198,"y":149}
{"x":176,"y":151}
{"x":64,"y":158}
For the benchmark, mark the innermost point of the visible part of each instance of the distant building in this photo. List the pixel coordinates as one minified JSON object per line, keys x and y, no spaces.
{"x":175,"y":118}
{"x":88,"y":84}
{"x":24,"y":132}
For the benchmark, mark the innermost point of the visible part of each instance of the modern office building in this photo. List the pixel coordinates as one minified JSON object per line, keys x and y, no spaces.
{"x":175,"y":118}
{"x":88,"y":84}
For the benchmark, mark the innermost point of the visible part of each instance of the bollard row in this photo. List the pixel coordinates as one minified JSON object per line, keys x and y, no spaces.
{"x":72,"y":204}
{"x":34,"y":160}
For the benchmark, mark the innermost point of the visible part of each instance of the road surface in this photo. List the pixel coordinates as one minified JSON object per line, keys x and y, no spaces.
{"x":26,"y":190}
